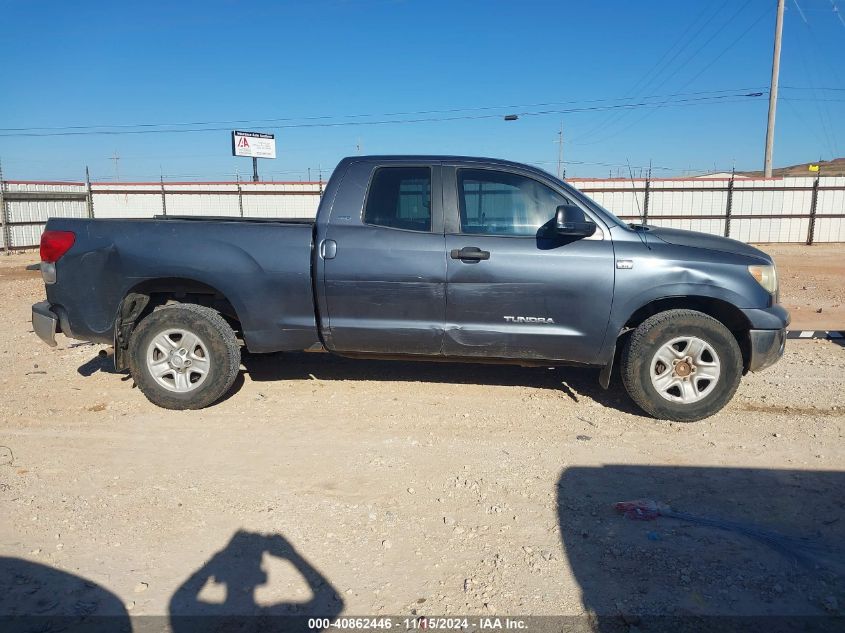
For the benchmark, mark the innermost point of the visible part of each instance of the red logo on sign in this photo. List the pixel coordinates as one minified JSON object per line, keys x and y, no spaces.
{"x":242,"y":142}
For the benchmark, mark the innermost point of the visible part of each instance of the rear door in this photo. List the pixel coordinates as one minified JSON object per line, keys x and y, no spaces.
{"x":384,"y":261}
{"x":514,"y":288}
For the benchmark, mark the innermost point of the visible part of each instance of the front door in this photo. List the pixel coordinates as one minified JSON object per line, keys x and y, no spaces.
{"x":514,"y":288}
{"x":385,"y":268}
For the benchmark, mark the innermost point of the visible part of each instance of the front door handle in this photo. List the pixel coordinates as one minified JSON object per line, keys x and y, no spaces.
{"x":470,"y":254}
{"x":328,"y":249}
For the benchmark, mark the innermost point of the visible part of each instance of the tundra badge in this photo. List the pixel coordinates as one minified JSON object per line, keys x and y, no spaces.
{"x":523,"y":319}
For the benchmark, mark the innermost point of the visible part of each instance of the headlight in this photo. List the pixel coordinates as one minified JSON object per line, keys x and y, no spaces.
{"x":766,"y":276}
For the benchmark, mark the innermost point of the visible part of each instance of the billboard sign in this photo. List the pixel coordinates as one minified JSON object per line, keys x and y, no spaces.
{"x":253,"y":144}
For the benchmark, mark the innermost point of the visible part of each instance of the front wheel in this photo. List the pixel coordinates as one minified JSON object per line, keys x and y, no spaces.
{"x":184,"y":356}
{"x":681,"y":365}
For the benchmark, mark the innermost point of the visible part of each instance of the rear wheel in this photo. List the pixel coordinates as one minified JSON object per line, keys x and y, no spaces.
{"x":681,"y":365}
{"x":184,"y":356}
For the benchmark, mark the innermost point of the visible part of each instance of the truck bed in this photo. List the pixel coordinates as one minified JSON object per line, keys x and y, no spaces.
{"x":262,"y":266}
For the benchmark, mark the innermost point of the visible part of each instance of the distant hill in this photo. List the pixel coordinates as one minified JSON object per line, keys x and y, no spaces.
{"x":835,"y":167}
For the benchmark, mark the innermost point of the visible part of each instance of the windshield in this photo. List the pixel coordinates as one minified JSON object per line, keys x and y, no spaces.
{"x":595,"y":206}
{"x":611,"y":218}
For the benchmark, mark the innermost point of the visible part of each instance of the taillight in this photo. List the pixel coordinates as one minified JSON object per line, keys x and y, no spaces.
{"x":54,"y":244}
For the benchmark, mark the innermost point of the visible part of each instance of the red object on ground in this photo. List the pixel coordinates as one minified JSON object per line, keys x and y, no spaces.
{"x":639,"y":509}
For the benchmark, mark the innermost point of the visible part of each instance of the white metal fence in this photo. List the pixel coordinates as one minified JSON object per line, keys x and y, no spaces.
{"x":752,"y":210}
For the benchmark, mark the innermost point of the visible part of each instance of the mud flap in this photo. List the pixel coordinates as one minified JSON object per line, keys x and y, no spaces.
{"x":130,"y":310}
{"x":607,"y":370}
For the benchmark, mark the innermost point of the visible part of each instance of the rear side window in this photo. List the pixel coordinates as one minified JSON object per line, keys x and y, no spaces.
{"x":400,"y":198}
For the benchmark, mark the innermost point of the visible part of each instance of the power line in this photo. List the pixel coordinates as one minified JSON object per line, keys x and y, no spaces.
{"x":810,"y":74}
{"x":694,"y":77}
{"x":655,"y":71}
{"x":725,"y":98}
{"x":109,"y":128}
{"x":837,"y":12}
{"x":831,"y":88}
{"x":678,"y":66}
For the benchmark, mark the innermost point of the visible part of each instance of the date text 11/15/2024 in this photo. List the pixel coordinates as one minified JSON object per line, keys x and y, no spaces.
{"x":420,"y":623}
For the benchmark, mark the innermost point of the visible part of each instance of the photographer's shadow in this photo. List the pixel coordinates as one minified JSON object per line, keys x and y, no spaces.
{"x":234,"y":574}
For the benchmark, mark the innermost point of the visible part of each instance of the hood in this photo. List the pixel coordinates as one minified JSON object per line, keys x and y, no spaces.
{"x":693,"y":239}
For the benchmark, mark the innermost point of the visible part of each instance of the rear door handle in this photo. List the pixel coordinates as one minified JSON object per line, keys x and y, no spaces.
{"x":470,"y":254}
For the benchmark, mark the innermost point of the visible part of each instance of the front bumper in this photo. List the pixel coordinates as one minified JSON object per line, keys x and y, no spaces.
{"x":45,"y":322}
{"x":766,"y":348}
{"x":767,"y":336}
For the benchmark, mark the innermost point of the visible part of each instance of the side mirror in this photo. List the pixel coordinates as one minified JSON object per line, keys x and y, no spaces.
{"x":571,"y":220}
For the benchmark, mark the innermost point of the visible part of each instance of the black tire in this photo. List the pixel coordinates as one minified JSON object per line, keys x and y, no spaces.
{"x":224,"y":355}
{"x":660,"y":329}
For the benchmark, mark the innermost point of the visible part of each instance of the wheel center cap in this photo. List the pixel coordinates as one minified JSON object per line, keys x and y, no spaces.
{"x":683,"y":369}
{"x":176,"y":361}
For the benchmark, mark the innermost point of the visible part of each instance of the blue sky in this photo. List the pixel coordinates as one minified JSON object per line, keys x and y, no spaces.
{"x":119,"y":63}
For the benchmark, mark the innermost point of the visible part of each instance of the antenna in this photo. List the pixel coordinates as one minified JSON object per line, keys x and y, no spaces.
{"x":634,"y":187}
{"x":644,"y":230}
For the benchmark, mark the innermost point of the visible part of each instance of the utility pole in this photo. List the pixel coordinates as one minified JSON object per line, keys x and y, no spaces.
{"x":773,"y":93}
{"x":116,"y":158}
{"x":559,"y":141}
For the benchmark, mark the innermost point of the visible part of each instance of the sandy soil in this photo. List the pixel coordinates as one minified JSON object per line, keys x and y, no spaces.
{"x":359,"y":487}
{"x":812,"y":283}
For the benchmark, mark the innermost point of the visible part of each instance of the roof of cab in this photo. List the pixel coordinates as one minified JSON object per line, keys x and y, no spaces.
{"x":443,"y":158}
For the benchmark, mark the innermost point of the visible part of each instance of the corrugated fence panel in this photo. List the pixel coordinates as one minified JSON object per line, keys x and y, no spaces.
{"x":281,"y":200}
{"x":26,"y":215}
{"x":126,"y":200}
{"x":202,"y":199}
{"x":831,"y":202}
{"x":26,"y":235}
{"x":40,"y":210}
{"x":830,"y":229}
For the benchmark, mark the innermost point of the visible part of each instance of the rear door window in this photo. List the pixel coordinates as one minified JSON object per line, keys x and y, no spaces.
{"x":400,"y":198}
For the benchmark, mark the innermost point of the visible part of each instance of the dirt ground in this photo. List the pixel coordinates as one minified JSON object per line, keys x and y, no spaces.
{"x":812,"y":283}
{"x":363,"y":488}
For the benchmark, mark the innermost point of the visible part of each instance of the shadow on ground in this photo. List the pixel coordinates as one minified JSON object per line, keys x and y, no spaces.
{"x":574,"y":382}
{"x":753,"y":550}
{"x":238,"y":570}
{"x":35,"y":597}
{"x":223,"y":595}
{"x":102,"y":362}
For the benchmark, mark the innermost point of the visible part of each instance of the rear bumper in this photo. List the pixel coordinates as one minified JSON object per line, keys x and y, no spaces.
{"x":45,"y":322}
{"x":766,"y":348}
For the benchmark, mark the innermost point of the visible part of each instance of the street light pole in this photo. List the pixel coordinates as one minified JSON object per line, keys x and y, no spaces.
{"x":773,"y":93}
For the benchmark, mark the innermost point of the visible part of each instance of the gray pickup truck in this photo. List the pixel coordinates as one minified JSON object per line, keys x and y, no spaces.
{"x":420,"y":257}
